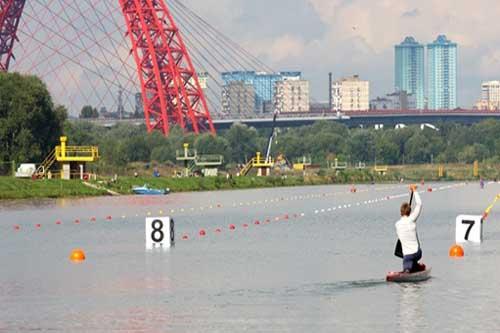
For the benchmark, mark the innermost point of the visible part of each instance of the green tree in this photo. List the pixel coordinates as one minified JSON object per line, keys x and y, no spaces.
{"x":30,"y":124}
{"x":88,"y":112}
{"x":243,"y":142}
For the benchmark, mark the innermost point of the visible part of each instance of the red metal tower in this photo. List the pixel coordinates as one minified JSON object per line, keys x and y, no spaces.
{"x":170,"y":88}
{"x":10,"y":14}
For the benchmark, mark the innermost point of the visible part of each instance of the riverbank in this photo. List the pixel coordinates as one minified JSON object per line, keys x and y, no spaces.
{"x":12,"y":188}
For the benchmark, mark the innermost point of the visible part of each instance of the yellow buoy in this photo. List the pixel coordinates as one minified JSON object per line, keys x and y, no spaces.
{"x":77,"y":255}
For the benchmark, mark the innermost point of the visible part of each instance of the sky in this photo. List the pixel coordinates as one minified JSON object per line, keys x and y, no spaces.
{"x":358,"y":36}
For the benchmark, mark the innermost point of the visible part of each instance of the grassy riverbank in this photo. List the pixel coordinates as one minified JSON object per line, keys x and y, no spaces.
{"x":11,"y":188}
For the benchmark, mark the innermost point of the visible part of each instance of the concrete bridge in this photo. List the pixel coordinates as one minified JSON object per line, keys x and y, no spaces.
{"x":377,"y":119}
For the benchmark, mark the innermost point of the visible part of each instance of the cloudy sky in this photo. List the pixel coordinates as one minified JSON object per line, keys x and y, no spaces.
{"x":358,"y":36}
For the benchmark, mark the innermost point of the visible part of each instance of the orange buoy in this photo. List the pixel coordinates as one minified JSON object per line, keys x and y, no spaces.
{"x":456,"y":251}
{"x":77,"y":255}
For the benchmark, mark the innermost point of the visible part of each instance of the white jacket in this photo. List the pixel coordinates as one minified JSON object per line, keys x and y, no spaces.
{"x":406,"y":228}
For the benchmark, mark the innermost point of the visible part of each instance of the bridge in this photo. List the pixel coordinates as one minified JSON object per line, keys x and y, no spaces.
{"x":387,"y":118}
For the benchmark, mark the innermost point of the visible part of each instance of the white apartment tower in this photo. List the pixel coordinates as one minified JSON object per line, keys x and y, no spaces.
{"x":291,"y":95}
{"x":351,"y":94}
{"x":490,"y":96}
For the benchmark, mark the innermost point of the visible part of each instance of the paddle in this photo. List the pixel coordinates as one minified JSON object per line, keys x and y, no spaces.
{"x":398,"y":251}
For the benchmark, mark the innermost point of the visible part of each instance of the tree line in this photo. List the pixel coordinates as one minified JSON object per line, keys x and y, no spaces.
{"x":322,"y":142}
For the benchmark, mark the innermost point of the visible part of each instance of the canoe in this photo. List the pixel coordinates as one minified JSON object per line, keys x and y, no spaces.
{"x":409,"y":277}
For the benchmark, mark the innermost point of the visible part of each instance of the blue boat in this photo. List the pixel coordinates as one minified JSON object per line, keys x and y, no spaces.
{"x":146,"y":190}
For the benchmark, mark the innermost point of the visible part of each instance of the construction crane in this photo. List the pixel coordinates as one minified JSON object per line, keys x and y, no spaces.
{"x":271,"y":137}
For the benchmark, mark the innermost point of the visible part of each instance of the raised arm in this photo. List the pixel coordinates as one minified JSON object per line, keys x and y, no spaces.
{"x":418,"y":207}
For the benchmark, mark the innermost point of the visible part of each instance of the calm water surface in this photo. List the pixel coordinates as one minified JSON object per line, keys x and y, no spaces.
{"x":320,"y":270}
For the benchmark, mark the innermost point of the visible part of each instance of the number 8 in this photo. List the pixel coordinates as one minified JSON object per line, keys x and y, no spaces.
{"x":157,"y":226}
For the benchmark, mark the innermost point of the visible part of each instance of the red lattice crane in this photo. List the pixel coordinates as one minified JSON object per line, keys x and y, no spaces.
{"x":170,"y":88}
{"x":10,"y":15}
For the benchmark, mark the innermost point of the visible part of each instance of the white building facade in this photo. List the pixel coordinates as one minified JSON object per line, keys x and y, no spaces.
{"x":351,"y":94}
{"x":490,"y":96}
{"x":291,"y":95}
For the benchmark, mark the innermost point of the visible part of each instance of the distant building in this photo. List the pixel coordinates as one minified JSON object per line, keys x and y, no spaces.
{"x":238,"y":98}
{"x":351,"y":94}
{"x":410,"y":70}
{"x":202,"y":80}
{"x":442,"y":74}
{"x":291,"y":95}
{"x":490,"y":96}
{"x":263,"y":84}
{"x":399,"y":100}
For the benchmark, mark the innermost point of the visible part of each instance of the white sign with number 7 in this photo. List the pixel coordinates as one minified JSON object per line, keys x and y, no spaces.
{"x":469,"y":228}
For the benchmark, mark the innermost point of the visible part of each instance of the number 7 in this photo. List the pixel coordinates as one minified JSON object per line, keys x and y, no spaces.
{"x":471,"y":224}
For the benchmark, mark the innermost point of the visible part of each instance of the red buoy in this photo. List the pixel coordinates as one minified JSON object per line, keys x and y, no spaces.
{"x":17,"y":227}
{"x":38,"y":225}
{"x":77,"y":221}
{"x":58,"y":222}
{"x":232,"y":227}
{"x":202,"y":232}
{"x":245,"y":225}
{"x":185,"y":237}
{"x":218,"y":230}
{"x":257,"y":222}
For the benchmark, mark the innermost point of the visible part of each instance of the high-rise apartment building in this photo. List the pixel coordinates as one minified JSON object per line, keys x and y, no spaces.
{"x":490,"y":96}
{"x":442,"y":74}
{"x":238,"y":99}
{"x":351,"y":94}
{"x":291,"y":95}
{"x":410,"y":70}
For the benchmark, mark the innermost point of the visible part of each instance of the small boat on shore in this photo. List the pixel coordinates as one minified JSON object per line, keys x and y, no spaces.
{"x":146,"y":190}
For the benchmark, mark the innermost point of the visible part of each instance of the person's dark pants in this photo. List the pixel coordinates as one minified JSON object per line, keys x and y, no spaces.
{"x":410,"y":261}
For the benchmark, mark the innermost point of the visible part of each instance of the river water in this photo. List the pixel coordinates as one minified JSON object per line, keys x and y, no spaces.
{"x":315,"y":263}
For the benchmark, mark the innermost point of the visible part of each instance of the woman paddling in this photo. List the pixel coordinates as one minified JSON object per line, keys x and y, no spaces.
{"x":406,"y":229}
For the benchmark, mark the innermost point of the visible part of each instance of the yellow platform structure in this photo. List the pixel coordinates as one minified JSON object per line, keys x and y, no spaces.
{"x":262,"y":165}
{"x":381,"y":169}
{"x":71,"y":160}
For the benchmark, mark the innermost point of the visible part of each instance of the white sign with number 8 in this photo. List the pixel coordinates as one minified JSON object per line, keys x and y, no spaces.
{"x":160,"y":233}
{"x":469,"y":228}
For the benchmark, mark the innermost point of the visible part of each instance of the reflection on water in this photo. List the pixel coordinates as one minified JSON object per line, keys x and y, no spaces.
{"x":411,"y":314}
{"x":324,"y":272}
